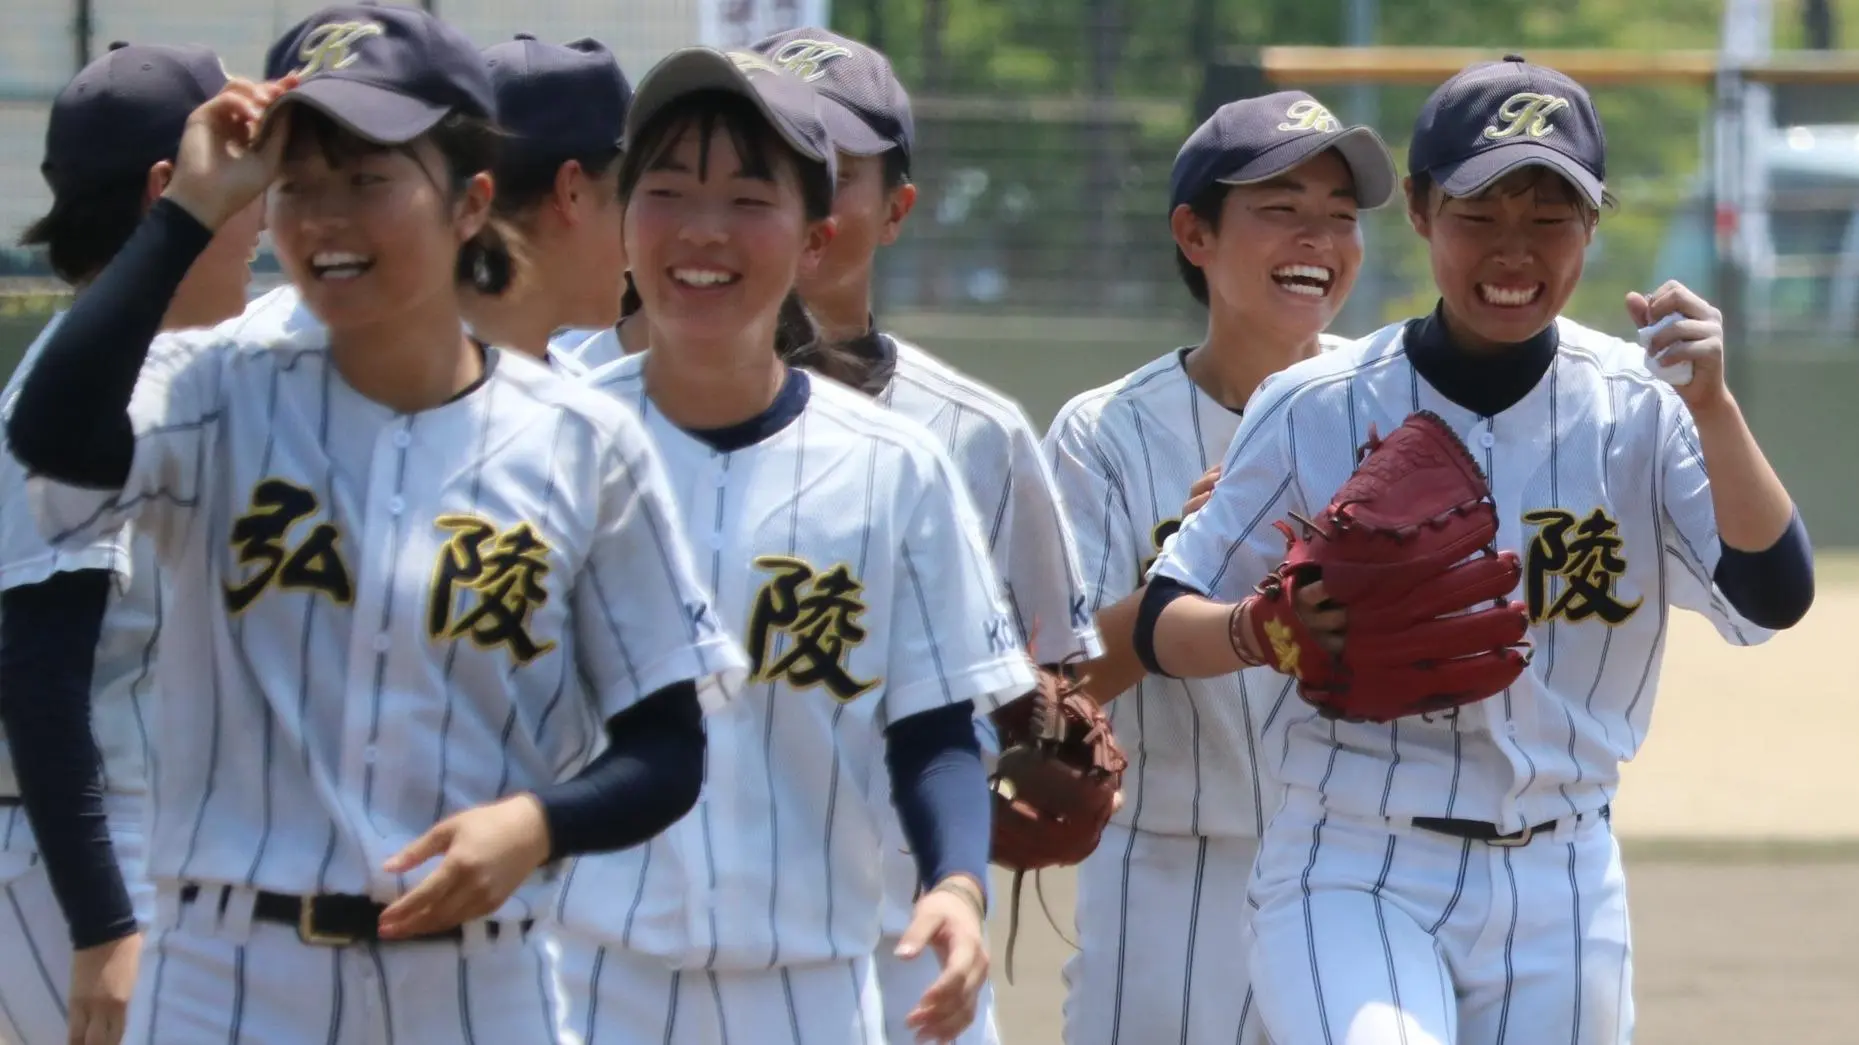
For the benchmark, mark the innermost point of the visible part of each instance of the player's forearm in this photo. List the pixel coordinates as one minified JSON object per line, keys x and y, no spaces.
{"x":71,"y":421}
{"x":48,"y":643}
{"x":1751,"y":504}
{"x":1183,"y":634}
{"x":647,"y":779}
{"x":1119,"y":669}
{"x":940,"y":789}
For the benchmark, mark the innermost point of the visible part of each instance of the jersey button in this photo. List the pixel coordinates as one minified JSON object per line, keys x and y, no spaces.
{"x":396,"y":506}
{"x":1486,"y":439}
{"x":403,"y":439}
{"x":382,"y":643}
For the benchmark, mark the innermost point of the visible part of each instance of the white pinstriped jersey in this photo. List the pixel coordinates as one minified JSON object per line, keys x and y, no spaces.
{"x":843,"y":551}
{"x":123,"y":672}
{"x":1600,"y":489}
{"x":588,"y":349}
{"x":1005,"y":476}
{"x":390,"y":617}
{"x":1125,"y":455}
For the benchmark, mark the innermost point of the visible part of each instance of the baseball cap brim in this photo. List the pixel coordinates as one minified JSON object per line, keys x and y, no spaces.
{"x":372,"y":112}
{"x":1475,"y":174}
{"x":852,"y":135}
{"x":703,"y":69}
{"x":1363,"y":152}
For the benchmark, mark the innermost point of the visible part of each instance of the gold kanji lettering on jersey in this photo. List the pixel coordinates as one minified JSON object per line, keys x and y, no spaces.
{"x":1580,"y":557}
{"x":261,"y":536}
{"x":818,"y":614}
{"x":487,"y":584}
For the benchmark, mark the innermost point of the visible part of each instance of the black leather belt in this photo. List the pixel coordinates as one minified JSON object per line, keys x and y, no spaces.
{"x":339,"y":920}
{"x":1480,"y":831}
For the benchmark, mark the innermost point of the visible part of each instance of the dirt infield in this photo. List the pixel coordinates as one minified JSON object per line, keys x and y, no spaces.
{"x":1742,"y":832}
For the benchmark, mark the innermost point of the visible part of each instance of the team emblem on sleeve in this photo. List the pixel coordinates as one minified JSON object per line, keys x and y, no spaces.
{"x":818,"y":613}
{"x":498,"y":575}
{"x":1585,"y":557}
{"x":314,"y":564}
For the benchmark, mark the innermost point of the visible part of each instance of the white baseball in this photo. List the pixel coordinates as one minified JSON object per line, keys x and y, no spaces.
{"x":1671,"y":373}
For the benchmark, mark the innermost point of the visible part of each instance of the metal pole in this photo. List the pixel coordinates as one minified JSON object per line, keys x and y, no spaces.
{"x":1361,"y":19}
{"x":83,"y":28}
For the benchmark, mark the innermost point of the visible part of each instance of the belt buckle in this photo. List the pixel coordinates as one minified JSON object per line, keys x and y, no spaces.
{"x":309,"y":934}
{"x":1511,"y":841}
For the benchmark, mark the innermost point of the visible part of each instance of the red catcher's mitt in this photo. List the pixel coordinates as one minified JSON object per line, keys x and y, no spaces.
{"x":1055,"y":784}
{"x":1406,"y":549}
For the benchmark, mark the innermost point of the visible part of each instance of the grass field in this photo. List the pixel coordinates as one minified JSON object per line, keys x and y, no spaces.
{"x":1740,"y":820}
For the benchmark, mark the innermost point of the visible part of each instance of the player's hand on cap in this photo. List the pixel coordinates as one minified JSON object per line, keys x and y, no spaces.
{"x":223,"y":163}
{"x":1696,"y":337}
{"x":948,"y":919}
{"x":103,"y":978}
{"x":488,"y":852}
{"x":1202,"y":489}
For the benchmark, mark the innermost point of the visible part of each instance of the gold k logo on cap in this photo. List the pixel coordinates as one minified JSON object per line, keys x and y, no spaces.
{"x":332,"y":46}
{"x":807,"y":58}
{"x":1309,"y":116}
{"x":1526,"y":113}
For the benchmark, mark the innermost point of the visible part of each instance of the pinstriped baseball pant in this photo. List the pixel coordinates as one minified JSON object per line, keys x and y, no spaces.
{"x":1367,"y":932}
{"x":1160,"y":957}
{"x":35,"y":943}
{"x":210,"y":973}
{"x":612,"y":996}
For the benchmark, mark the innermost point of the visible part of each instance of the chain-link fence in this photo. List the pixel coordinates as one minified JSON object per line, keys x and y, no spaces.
{"x":1046,"y":129}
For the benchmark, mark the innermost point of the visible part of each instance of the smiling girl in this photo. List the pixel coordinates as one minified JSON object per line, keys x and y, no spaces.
{"x":417,"y":573}
{"x":1263,"y":209}
{"x":841,"y":547}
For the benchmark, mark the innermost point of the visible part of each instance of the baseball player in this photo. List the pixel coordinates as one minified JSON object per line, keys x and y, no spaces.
{"x":867,"y":114}
{"x":1453,"y":877}
{"x":419,"y":573}
{"x":843,"y":551}
{"x":562,"y":108}
{"x":78,"y":625}
{"x":1263,"y":207}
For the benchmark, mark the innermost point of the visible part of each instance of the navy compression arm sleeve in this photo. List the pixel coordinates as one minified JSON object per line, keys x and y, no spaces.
{"x":1156,"y":597}
{"x":48,"y":648}
{"x":71,"y":421}
{"x":941,"y":792}
{"x":1773,"y":587}
{"x":648,"y":777}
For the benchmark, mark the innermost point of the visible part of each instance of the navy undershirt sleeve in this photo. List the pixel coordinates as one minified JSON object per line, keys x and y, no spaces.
{"x":940,"y":790}
{"x":71,"y":421}
{"x":646,"y":780}
{"x":1774,"y":587}
{"x":1156,"y":597}
{"x":48,"y":649}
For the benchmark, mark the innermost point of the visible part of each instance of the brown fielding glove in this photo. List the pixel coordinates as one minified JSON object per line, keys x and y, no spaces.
{"x":1055,"y":784}
{"x":1405,"y":549}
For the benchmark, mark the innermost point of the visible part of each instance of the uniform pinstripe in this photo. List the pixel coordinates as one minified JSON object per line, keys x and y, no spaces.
{"x":1197,"y":794}
{"x":772,"y":880}
{"x":35,"y":943}
{"x":994,"y":449}
{"x":397,"y":617}
{"x":1600,"y":486}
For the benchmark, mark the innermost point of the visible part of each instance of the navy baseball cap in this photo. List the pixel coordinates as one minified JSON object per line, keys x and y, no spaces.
{"x":124,"y":113}
{"x":384,"y":72}
{"x":559,"y":99}
{"x":789,"y":103}
{"x":866,"y":109}
{"x":1495,"y":117}
{"x":1257,"y":139}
